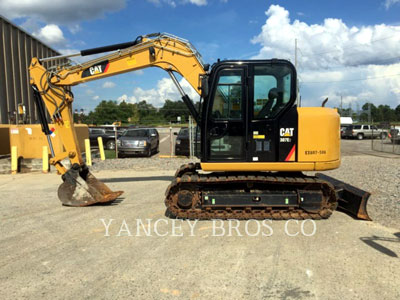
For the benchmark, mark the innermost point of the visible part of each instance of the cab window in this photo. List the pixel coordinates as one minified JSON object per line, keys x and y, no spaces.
{"x":227,"y":104}
{"x":272,"y":90}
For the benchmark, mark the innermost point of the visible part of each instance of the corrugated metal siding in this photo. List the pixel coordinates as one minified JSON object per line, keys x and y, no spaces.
{"x":16,"y":51}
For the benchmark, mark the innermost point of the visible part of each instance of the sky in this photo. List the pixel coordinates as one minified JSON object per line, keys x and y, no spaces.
{"x":348,"y":51}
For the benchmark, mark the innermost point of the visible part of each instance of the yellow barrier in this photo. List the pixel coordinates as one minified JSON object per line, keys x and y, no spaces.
{"x":14,"y":160}
{"x":30,"y":139}
{"x":88,"y":153}
{"x":45,"y":159}
{"x":101,"y":148}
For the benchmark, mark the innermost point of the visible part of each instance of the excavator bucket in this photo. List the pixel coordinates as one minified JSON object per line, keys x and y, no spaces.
{"x":81,"y":188}
{"x":351,"y":200}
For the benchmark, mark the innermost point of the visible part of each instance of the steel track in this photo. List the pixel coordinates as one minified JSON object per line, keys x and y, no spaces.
{"x":188,"y":180}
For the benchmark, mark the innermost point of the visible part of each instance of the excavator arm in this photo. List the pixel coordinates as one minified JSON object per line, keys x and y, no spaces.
{"x":52,"y":93}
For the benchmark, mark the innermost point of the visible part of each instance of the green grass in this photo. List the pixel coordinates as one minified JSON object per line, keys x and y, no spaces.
{"x":109,"y":154}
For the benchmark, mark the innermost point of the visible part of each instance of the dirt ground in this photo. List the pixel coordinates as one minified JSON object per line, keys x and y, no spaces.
{"x":130,"y":250}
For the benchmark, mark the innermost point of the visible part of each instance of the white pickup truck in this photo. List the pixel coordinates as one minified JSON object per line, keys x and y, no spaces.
{"x":364,"y":131}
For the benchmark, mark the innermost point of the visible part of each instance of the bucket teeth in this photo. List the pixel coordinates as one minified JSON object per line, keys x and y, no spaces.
{"x":79,"y":191}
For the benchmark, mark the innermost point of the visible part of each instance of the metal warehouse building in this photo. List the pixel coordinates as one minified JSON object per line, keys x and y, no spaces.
{"x":17,"y":49}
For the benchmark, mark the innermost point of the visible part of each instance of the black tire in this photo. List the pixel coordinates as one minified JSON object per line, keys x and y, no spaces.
{"x":120,"y":155}
{"x":148,"y":153}
{"x":110,"y":145}
{"x":360,"y":136}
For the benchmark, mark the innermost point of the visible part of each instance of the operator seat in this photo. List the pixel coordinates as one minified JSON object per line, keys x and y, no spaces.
{"x":272,"y":98}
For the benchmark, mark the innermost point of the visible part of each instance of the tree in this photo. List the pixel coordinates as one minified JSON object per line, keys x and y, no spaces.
{"x":387,"y":114}
{"x":173,"y":109}
{"x":397,"y":112}
{"x":374,"y":111}
{"x":124,"y":112}
{"x":106,"y":112}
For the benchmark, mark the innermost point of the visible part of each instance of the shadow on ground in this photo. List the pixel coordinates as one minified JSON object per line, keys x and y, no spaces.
{"x":373,"y":242}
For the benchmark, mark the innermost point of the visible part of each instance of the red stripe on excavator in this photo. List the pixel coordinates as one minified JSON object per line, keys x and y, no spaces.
{"x":105,"y":70}
{"x":290,"y":153}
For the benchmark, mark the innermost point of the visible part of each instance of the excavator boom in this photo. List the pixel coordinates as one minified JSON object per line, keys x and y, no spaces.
{"x":52,"y":88}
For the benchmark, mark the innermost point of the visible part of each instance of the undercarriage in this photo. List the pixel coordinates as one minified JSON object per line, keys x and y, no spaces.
{"x":261,"y":195}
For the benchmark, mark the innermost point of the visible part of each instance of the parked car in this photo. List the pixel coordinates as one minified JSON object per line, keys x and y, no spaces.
{"x":343,"y":128}
{"x":108,"y":136}
{"x":182,"y":142}
{"x":364,"y":131}
{"x":143,"y":141}
{"x":395,"y":135}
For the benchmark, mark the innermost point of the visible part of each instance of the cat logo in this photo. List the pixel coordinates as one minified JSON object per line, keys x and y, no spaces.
{"x":96,"y":69}
{"x":286,"y":132}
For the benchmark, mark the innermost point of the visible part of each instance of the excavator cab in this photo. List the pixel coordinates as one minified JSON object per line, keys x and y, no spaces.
{"x":248,"y":102}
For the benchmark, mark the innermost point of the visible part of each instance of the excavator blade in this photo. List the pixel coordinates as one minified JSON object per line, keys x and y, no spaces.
{"x":351,"y":200}
{"x":81,"y":188}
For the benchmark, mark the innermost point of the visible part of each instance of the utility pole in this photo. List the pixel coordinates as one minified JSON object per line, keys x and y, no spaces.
{"x":341,"y":103}
{"x":358,"y":110}
{"x":295,"y":64}
{"x":295,"y":53}
{"x":369,"y":112}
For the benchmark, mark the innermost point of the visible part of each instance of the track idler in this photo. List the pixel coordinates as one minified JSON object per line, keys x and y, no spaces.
{"x":81,"y":188}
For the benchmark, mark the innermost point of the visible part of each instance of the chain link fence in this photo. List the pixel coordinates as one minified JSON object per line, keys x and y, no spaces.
{"x":391,"y":141}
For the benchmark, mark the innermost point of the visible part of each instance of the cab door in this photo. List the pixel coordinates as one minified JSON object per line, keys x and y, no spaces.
{"x":226,"y":125}
{"x":272,"y":117}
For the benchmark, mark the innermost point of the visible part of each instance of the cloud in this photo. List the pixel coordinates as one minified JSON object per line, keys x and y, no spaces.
{"x":159,"y":2}
{"x":198,"y":2}
{"x":124,"y":97}
{"x":174,"y":3}
{"x":165,"y":90}
{"x":96,"y":97}
{"x":59,"y":11}
{"x":379,"y":85}
{"x":334,"y":59}
{"x":108,"y":85}
{"x":74,"y":28}
{"x":389,"y":3}
{"x":138,"y":72}
{"x":50,"y":34}
{"x":331,"y":43}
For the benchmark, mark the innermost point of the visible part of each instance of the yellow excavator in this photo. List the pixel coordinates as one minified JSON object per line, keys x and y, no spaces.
{"x":255,"y":140}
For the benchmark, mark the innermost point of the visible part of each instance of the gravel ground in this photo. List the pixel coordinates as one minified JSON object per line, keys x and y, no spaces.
{"x":378,"y":175}
{"x":381,"y":177}
{"x":50,"y":251}
{"x":140,"y":163}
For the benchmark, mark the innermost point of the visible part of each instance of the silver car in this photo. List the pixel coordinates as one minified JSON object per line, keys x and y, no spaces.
{"x":143,"y":141}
